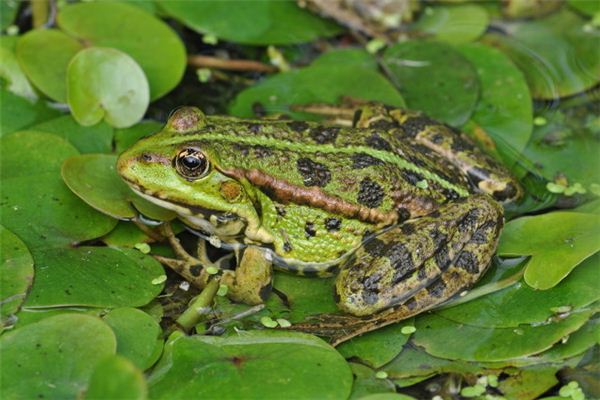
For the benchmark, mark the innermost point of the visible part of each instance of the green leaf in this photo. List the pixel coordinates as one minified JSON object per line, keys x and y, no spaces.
{"x":125,"y":138}
{"x":44,"y":55}
{"x":557,"y":242}
{"x":87,"y":139}
{"x":8,"y":12}
{"x":94,"y":277}
{"x":444,"y":338}
{"x":93,"y":177}
{"x":253,"y":364}
{"x":125,"y":234}
{"x":453,"y":24}
{"x":557,"y":55}
{"x":365,"y":382}
{"x":434,"y":78}
{"x":138,"y":336}
{"x":61,"y":353}
{"x":318,"y":83}
{"x":104,"y":83}
{"x":148,"y":40}
{"x":16,"y":275}
{"x":587,"y":7}
{"x":116,"y":378}
{"x":11,"y":71}
{"x":17,"y":112}
{"x":520,"y":304}
{"x":504,"y":110}
{"x":260,"y":22}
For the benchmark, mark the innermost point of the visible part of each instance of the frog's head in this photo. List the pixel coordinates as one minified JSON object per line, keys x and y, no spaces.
{"x":176,"y":170}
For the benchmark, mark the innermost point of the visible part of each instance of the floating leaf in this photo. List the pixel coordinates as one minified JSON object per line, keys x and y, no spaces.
{"x":434,"y":78}
{"x":557,"y":242}
{"x":260,"y":22}
{"x":557,"y":55}
{"x":62,"y":352}
{"x":116,"y":378}
{"x":11,"y":71}
{"x":316,"y":84}
{"x":504,"y":110}
{"x":254,"y":364}
{"x":128,"y":29}
{"x":105,"y":83}
{"x":93,"y":177}
{"x":87,"y":139}
{"x":453,"y":24}
{"x":44,"y":55}
{"x":520,"y":304}
{"x":125,"y":138}
{"x":137,"y":336}
{"x":17,"y":112}
{"x":365,"y":382}
{"x":443,"y":338}
{"x":16,"y":275}
{"x":125,"y":234}
{"x":94,"y":277}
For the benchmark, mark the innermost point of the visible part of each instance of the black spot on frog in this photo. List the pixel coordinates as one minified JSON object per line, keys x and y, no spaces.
{"x":314,"y":173}
{"x":370,"y":193}
{"x":324,"y":134}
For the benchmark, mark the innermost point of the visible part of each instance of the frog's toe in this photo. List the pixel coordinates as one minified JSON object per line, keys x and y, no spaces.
{"x":422,"y":262}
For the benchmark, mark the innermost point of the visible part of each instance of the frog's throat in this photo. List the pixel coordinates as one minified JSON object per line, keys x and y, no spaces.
{"x":285,"y":192}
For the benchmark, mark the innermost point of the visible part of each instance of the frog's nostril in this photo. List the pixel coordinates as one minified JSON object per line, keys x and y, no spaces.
{"x":146,"y":157}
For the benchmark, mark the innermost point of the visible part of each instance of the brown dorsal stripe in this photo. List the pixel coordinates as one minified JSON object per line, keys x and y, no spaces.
{"x":285,"y":192}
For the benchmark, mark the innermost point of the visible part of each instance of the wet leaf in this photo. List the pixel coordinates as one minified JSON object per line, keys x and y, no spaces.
{"x":443,"y":338}
{"x":253,"y":364}
{"x":37,"y":206}
{"x":378,"y":347}
{"x":44,"y":55}
{"x":16,"y":275}
{"x":11,"y":71}
{"x":504,"y":110}
{"x":558,"y":56}
{"x":434,"y":78}
{"x":557,"y":242}
{"x":453,"y":24}
{"x":17,"y":112}
{"x":138,"y":336}
{"x":319,"y":83}
{"x":365,"y":382}
{"x":260,"y":22}
{"x":520,"y":304}
{"x":93,"y":177}
{"x":62,"y":352}
{"x":116,"y":378}
{"x":529,"y":384}
{"x":87,"y":139}
{"x":94,"y":277}
{"x":125,"y":234}
{"x":128,"y":28}
{"x":108,"y":84}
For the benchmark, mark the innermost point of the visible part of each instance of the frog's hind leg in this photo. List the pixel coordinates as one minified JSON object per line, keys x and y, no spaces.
{"x":413,"y":267}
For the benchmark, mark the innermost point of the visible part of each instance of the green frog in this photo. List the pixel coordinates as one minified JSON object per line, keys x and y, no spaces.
{"x":406,"y":211}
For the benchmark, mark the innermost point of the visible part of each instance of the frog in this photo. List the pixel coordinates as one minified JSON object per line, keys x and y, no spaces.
{"x":403,"y":210}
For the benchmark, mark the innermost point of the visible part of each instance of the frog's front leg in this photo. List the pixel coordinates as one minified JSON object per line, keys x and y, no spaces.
{"x":251,"y":282}
{"x":413,"y":267}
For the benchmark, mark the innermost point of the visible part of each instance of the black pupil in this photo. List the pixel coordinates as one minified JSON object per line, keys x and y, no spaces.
{"x":191,"y":162}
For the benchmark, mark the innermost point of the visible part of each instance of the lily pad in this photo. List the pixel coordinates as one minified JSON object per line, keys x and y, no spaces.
{"x":366,"y":383}
{"x":17,"y":112}
{"x":116,"y":378}
{"x":260,"y":22}
{"x":125,"y":138}
{"x":62,"y":352}
{"x":16,"y":275}
{"x":128,"y":28}
{"x":87,"y":139}
{"x":253,"y":364}
{"x":586,"y":7}
{"x":93,"y":177}
{"x":104,"y":83}
{"x":520,"y":304}
{"x":444,"y":338}
{"x":557,"y":242}
{"x":557,"y":55}
{"x":8,"y":12}
{"x":94,"y":277}
{"x":504,"y":110}
{"x":138,"y":336}
{"x":126,"y":234}
{"x":453,"y":24}
{"x":316,"y":84}
{"x":434,"y":78}
{"x":44,"y":55}
{"x":11,"y":71}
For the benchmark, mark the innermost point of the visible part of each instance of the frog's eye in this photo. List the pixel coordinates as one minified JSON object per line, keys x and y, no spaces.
{"x":192,"y":164}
